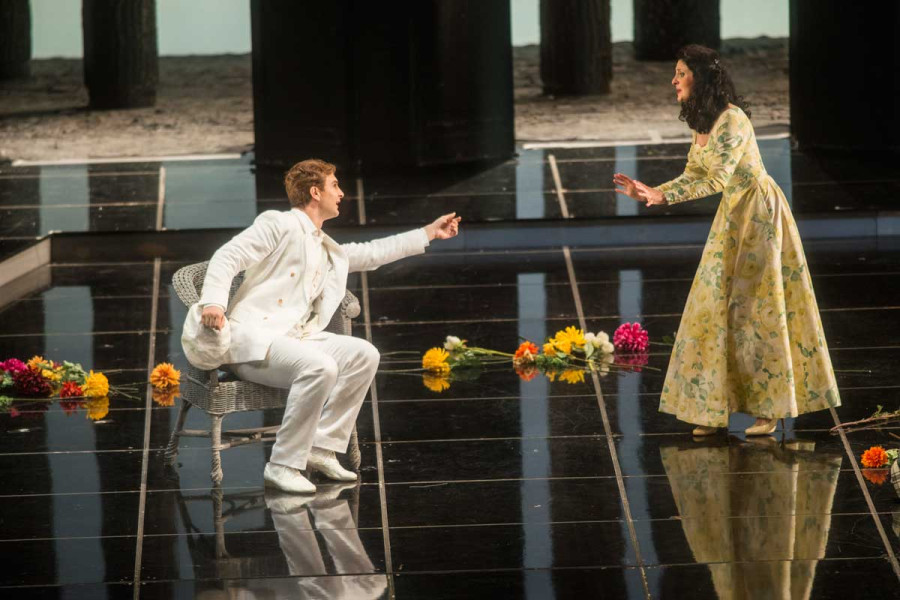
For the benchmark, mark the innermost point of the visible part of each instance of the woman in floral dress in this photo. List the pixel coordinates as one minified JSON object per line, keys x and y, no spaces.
{"x":750,"y":338}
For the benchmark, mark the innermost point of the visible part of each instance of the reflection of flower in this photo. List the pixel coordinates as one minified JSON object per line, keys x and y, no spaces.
{"x":526,"y":372}
{"x":525,"y":354}
{"x":70,"y":406}
{"x":96,"y":385}
{"x":165,"y":375}
{"x":435,"y":383}
{"x":435,"y":360}
{"x":636,"y":361}
{"x":876,"y":476}
{"x":69,"y":389}
{"x":166,"y":396}
{"x":875,"y":457}
{"x":572,"y":376}
{"x":31,"y":384}
{"x":630,"y":337}
{"x":97,"y":408}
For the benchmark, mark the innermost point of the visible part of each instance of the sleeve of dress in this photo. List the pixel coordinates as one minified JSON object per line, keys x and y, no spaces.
{"x":730,"y":139}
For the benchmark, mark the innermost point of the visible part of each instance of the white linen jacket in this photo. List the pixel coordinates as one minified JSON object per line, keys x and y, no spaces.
{"x":272,"y":299}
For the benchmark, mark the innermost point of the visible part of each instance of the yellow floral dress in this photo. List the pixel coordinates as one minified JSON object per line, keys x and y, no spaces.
{"x":750,"y":338}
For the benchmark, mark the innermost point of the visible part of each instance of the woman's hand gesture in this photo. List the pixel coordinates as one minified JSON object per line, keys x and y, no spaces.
{"x":637,"y":190}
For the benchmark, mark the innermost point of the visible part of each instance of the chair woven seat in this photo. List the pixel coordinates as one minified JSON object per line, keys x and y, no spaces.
{"x":219,"y":396}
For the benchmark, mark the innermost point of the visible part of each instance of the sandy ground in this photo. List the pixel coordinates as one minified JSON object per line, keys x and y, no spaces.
{"x":205,"y":105}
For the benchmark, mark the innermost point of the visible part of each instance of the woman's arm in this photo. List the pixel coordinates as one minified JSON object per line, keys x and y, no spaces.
{"x":729,"y":144}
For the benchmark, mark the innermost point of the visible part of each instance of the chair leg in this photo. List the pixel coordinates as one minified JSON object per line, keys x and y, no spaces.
{"x":172,"y":448}
{"x":355,"y":454}
{"x":216,"y":435}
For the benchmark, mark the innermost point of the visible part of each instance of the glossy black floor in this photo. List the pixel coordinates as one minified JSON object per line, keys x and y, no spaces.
{"x":493,"y":488}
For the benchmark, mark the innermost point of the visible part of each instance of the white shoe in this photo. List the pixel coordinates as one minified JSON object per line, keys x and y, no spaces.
{"x":326,"y":463}
{"x":287,"y":479}
{"x":703,"y":430}
{"x":763,"y":426}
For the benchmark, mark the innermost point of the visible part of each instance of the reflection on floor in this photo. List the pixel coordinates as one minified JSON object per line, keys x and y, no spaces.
{"x":493,"y":488}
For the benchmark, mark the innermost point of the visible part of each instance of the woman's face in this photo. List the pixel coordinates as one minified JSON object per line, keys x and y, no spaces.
{"x":683,"y":81}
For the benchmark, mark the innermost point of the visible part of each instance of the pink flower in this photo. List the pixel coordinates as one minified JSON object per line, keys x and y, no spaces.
{"x":635,"y":361}
{"x":13,"y":365}
{"x":630,"y":337}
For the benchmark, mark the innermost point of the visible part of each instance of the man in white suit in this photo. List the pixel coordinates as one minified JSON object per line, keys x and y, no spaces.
{"x":295,"y":278}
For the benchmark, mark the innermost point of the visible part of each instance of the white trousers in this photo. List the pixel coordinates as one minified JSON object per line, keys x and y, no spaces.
{"x":328,"y":376}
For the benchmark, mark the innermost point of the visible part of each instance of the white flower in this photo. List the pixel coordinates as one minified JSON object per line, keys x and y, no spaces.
{"x":452,"y":343}
{"x":600,"y":341}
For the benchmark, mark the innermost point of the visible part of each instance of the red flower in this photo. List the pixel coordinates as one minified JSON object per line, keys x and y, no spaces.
{"x":69,"y":389}
{"x":630,"y":337}
{"x":525,"y":354}
{"x":31,"y":384}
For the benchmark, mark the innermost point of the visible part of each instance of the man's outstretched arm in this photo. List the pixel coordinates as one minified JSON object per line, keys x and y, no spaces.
{"x":371,"y":255}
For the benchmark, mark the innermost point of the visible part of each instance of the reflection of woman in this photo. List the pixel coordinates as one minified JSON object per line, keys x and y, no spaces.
{"x":758,"y":516}
{"x":750,"y":338}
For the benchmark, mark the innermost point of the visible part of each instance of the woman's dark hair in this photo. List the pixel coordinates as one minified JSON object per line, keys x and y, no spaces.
{"x":712,"y":91}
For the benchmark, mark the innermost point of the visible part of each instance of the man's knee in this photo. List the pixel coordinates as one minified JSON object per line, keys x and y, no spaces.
{"x":324,"y":369}
{"x":370,"y":356}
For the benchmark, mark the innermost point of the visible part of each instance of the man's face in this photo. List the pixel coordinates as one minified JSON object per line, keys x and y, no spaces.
{"x":329,"y":197}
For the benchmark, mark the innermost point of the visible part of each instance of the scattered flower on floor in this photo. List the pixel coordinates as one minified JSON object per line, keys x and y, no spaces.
{"x":435,"y":360}
{"x":875,"y":457}
{"x":31,"y":384}
{"x":165,"y":375}
{"x":96,"y":385}
{"x":525,"y":354}
{"x":454,"y":344}
{"x":70,"y":389}
{"x":631,"y":338}
{"x":13,"y":365}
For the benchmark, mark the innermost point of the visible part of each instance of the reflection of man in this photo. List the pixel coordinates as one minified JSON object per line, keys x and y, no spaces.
{"x":295,"y":279}
{"x":298,"y":520}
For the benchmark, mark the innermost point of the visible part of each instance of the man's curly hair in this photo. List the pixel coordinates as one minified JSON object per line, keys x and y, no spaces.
{"x":309,"y":173}
{"x":712,"y":91}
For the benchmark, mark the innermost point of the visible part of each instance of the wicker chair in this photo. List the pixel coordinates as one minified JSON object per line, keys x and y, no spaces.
{"x":219,"y":397}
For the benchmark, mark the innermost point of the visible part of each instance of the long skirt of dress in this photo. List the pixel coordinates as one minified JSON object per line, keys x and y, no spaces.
{"x":758,"y":517}
{"x":750,"y":338}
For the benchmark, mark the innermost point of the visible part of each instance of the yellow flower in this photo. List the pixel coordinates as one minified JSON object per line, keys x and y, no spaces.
{"x":97,"y":408}
{"x":36,"y":362}
{"x":50,"y":375}
{"x":565,"y":340}
{"x":572,"y":376}
{"x":435,"y":360}
{"x":435,"y":383}
{"x":165,"y":375}
{"x":549,"y":348}
{"x":166,"y":396}
{"x":96,"y":385}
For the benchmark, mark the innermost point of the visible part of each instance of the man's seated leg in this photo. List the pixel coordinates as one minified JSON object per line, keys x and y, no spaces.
{"x":306,"y":369}
{"x":357,"y":362}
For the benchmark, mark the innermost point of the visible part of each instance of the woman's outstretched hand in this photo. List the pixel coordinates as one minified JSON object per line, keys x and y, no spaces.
{"x":637,"y":190}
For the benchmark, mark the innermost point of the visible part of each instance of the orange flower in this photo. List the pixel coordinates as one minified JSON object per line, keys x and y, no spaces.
{"x":166,"y":396}
{"x":876,"y":476}
{"x":875,"y":457}
{"x":165,"y":375}
{"x":525,"y":354}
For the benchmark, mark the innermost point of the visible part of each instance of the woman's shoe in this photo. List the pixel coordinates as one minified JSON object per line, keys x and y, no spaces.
{"x":763,"y":426}
{"x":703,"y":430}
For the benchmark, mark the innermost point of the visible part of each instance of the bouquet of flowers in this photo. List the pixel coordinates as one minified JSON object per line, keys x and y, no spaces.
{"x":44,"y":381}
{"x":567,"y":355}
